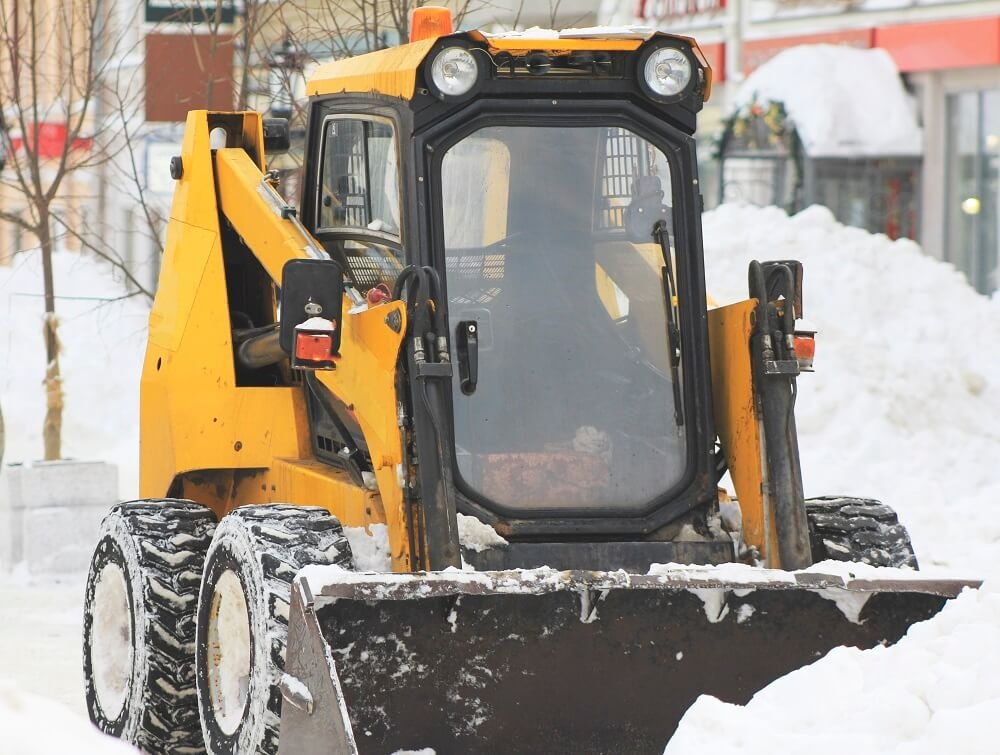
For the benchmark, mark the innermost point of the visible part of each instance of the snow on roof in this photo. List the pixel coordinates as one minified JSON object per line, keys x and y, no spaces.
{"x":590,"y":32}
{"x":845,"y":102}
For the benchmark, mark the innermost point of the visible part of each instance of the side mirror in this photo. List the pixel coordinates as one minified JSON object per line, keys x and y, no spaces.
{"x":312,"y":305}
{"x":277,"y":137}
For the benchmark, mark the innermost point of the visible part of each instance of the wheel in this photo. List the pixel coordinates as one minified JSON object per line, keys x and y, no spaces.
{"x":243,"y":618}
{"x":138,"y":623}
{"x":858,"y":529}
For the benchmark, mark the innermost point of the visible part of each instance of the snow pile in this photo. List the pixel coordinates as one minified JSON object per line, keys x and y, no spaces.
{"x":904,"y":405}
{"x":370,"y":547}
{"x":843,"y":101}
{"x":33,"y":725}
{"x":103,"y":339}
{"x":937,"y":690}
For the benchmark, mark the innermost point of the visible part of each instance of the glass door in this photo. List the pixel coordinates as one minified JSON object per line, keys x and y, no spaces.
{"x":972,"y":217}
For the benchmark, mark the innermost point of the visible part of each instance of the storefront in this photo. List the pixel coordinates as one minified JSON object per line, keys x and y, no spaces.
{"x":972,"y":217}
{"x":948,"y":53}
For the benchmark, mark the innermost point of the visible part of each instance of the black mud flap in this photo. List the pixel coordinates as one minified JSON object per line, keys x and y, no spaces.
{"x":560,"y":662}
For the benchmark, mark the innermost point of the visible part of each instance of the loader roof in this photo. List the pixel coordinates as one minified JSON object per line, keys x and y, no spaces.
{"x":394,"y":71}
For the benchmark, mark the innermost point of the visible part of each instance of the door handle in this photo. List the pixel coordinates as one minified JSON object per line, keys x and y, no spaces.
{"x":467,"y":342}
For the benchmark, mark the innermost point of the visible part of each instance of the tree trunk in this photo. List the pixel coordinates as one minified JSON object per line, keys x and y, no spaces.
{"x":52,"y":427}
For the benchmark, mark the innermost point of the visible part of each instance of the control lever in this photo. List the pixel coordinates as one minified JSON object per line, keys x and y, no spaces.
{"x":467,"y":345}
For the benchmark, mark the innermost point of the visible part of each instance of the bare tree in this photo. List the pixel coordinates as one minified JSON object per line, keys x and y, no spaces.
{"x":352,"y":27}
{"x":50,"y":76}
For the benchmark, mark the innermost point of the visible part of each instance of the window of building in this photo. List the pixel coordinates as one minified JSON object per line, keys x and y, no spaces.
{"x":972,"y":214}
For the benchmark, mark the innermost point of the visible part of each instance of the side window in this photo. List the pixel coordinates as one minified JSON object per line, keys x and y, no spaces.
{"x":359,"y":181}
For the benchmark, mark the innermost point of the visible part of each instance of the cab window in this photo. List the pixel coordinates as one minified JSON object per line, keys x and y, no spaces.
{"x":359,"y":181}
{"x":357,"y":213}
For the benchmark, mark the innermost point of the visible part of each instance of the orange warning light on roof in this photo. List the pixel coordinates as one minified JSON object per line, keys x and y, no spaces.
{"x":430,"y":21}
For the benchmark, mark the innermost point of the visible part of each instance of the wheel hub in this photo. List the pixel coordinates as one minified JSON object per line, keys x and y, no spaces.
{"x":112,"y":646}
{"x":228,"y":652}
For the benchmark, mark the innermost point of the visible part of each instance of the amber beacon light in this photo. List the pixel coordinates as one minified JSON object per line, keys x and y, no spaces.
{"x":430,"y":21}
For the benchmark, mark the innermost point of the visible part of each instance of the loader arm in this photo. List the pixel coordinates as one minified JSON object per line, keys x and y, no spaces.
{"x":236,"y":444}
{"x":365,"y":376}
{"x":738,"y":423}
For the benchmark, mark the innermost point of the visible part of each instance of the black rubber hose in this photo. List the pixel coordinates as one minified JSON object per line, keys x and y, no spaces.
{"x":789,"y":302}
{"x":434,"y":279}
{"x":758,"y":290}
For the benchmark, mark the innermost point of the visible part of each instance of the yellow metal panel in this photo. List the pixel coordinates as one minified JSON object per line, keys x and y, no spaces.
{"x":302,"y":482}
{"x":391,"y":72}
{"x":365,"y":380}
{"x":194,"y":193}
{"x":168,"y":318}
{"x":736,"y":420}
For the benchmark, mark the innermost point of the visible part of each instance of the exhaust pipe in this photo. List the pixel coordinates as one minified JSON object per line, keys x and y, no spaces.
{"x":258,"y":349}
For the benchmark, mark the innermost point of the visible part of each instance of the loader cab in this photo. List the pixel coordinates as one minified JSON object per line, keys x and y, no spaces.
{"x":530,"y":175}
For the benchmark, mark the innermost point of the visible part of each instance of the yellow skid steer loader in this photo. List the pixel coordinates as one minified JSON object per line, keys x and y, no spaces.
{"x":484,"y":334}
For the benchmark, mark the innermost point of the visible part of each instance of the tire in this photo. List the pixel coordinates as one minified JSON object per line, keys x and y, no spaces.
{"x":858,"y":529}
{"x":138,"y":624}
{"x":243,"y":618}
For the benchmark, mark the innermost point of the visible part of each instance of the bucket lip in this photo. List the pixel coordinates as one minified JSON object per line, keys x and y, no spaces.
{"x":324,"y":583}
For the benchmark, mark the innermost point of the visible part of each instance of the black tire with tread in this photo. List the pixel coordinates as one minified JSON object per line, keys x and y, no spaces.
{"x":266,"y":546}
{"x":160,"y":546}
{"x":858,"y":529}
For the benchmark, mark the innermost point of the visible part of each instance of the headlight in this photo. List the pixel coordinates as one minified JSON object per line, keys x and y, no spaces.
{"x":667,"y":71}
{"x":454,"y":71}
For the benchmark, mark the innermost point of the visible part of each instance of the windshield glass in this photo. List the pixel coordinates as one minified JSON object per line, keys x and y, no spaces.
{"x":574,"y":404}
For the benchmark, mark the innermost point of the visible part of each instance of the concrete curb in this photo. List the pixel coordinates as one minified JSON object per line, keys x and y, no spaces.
{"x":51,"y":512}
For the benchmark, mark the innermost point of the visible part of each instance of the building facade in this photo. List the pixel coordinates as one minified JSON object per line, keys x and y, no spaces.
{"x":948,"y":53}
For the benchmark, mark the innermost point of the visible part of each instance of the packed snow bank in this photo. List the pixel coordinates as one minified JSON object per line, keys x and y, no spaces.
{"x":937,"y":690}
{"x":904,"y":405}
{"x":843,"y":101}
{"x":33,"y":725}
{"x":103,"y":340}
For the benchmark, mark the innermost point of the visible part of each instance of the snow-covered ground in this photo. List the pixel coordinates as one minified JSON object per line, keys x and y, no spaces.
{"x":41,"y":675}
{"x":904,"y":406}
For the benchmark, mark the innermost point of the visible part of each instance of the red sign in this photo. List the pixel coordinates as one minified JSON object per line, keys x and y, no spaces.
{"x":187,"y":72}
{"x":715,"y":54}
{"x":50,"y":139}
{"x":942,"y":44}
{"x":654,"y":10}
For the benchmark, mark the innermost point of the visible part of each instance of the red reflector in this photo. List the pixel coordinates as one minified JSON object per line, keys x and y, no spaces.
{"x":313,"y":347}
{"x":805,"y":350}
{"x":805,"y":347}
